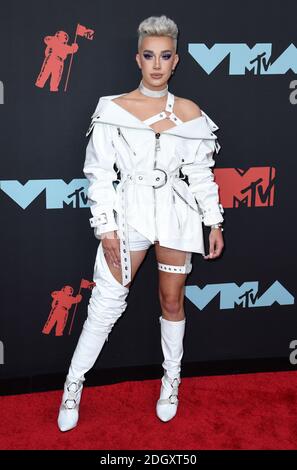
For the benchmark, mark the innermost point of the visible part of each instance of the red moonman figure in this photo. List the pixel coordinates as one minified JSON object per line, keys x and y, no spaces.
{"x":55,"y":53}
{"x":63,"y":301}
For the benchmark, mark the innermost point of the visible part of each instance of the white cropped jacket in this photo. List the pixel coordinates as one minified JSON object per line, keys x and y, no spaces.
{"x":137,"y":176}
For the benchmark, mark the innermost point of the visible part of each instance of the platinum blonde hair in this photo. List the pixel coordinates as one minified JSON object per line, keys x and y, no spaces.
{"x":157,"y":26}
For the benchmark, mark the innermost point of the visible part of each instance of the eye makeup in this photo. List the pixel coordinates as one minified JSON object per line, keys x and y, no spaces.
{"x":166,"y":55}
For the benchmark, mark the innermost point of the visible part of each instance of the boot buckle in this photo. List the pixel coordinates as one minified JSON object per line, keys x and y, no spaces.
{"x":173,"y":399}
{"x":70,"y":407}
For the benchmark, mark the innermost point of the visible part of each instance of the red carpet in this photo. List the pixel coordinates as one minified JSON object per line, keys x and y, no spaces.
{"x":248,"y":411}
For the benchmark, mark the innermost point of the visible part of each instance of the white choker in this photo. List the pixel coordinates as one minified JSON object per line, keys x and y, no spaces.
{"x":152,"y":93}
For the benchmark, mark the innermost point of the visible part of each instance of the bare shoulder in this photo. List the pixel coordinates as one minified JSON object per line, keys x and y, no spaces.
{"x":187,"y":109}
{"x":126,"y":98}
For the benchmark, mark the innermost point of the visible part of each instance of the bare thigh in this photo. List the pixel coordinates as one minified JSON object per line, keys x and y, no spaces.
{"x":137,"y":258}
{"x":171,"y":285}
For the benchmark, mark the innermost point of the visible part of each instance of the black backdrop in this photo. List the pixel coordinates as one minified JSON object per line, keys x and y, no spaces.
{"x":239,"y":306}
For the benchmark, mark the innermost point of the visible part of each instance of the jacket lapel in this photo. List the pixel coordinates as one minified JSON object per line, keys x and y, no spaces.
{"x":109,"y":112}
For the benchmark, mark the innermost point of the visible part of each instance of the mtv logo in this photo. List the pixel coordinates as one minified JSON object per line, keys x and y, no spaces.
{"x":253,"y":187}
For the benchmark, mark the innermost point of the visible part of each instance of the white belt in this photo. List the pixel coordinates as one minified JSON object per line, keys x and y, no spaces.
{"x":156,"y":177}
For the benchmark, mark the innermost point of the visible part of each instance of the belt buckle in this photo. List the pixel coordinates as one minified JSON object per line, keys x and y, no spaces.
{"x":166,"y":177}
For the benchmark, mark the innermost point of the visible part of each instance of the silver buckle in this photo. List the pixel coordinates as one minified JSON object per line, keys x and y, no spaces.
{"x":173,"y":399}
{"x":166,"y":178}
{"x":70,"y":407}
{"x":105,"y":217}
{"x":94,"y":220}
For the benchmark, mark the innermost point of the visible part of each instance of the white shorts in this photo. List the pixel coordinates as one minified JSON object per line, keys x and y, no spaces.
{"x":137,"y":242}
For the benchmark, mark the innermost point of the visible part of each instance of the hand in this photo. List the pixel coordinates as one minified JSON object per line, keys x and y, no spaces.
{"x":111,"y":247}
{"x":216,"y":243}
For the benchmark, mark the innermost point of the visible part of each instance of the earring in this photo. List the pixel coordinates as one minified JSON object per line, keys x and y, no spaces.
{"x":172,"y":71}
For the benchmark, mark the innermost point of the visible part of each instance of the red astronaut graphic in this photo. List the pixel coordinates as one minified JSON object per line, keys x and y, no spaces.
{"x":63,"y":301}
{"x":55,"y":53}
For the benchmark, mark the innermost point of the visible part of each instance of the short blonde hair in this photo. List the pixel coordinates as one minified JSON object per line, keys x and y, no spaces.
{"x":157,"y":26}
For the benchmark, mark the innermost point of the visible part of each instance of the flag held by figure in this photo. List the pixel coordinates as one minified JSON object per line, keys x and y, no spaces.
{"x":84,"y":32}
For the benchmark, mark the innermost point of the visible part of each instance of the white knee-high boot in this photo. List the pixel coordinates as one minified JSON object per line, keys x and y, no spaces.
{"x":172,"y":334}
{"x":107,"y":304}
